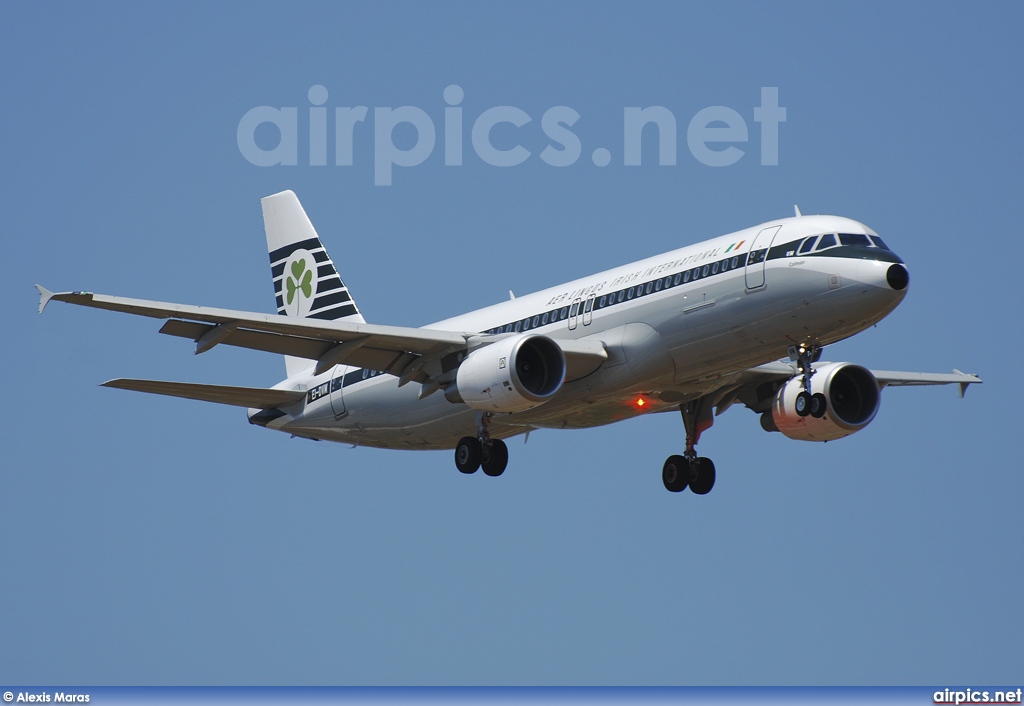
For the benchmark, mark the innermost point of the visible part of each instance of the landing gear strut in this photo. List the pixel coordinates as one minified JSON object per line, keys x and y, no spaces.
{"x":482,"y":451}
{"x":690,"y":470}
{"x":806,"y":403}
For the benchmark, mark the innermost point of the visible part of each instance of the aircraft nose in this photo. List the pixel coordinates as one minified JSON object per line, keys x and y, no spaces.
{"x":897,"y":277}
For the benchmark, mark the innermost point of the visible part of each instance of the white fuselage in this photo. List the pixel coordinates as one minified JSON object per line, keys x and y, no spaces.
{"x":703,"y":313}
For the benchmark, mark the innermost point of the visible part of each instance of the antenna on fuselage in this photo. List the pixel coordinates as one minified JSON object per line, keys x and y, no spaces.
{"x":796,"y":210}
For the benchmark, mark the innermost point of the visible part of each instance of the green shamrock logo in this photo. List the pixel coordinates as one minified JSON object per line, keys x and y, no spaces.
{"x":300,"y":280}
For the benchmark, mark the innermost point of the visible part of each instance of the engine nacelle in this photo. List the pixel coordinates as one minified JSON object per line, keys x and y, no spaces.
{"x":853,"y":399}
{"x":512,"y":375}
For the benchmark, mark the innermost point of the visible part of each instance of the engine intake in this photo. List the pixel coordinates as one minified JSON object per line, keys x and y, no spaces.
{"x":512,"y":375}
{"x":853,"y":401}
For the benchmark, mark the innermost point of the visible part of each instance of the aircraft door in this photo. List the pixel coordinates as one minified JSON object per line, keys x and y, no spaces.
{"x":575,"y":311}
{"x":758,"y":255}
{"x":588,"y":310}
{"x":337,"y":383}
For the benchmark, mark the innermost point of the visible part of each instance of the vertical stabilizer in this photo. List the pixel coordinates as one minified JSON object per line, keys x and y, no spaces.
{"x":306,"y":283}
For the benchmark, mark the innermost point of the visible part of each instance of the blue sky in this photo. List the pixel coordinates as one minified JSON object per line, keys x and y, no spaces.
{"x":161,"y":541}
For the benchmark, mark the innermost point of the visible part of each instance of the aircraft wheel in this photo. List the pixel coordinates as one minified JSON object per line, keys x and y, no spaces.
{"x":702,"y":476}
{"x":819,"y":405}
{"x":675,"y":474}
{"x":467,"y":454}
{"x":495,"y":458}
{"x":803,"y":403}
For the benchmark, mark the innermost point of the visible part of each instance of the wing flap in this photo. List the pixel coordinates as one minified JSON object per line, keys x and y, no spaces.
{"x":258,"y":397}
{"x":365,"y":356}
{"x":298,"y":346}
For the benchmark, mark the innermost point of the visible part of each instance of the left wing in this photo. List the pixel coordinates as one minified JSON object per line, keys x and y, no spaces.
{"x":891,"y":378}
{"x":756,"y":388}
{"x":783,"y":370}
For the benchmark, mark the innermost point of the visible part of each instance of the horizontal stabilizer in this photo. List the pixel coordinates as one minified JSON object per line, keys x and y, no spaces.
{"x":257,"y":397}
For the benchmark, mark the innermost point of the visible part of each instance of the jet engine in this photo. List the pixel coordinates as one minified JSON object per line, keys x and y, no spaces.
{"x":512,"y":375}
{"x":853,"y":398}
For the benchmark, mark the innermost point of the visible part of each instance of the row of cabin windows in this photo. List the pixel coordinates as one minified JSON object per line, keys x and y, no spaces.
{"x":622,"y":295}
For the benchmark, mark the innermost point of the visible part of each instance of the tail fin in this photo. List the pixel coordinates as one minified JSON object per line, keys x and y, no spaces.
{"x":306,"y":282}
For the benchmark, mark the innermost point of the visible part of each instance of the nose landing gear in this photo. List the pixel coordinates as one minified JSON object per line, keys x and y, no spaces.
{"x":806,"y":403}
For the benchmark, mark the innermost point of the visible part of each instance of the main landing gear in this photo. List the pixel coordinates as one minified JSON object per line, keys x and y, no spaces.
{"x":815,"y":405}
{"x":483,"y":451}
{"x":689,"y":470}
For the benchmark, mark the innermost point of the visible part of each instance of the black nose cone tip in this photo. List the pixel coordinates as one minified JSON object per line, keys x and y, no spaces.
{"x":898,"y":277}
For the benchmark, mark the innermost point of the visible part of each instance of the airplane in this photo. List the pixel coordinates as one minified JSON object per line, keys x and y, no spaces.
{"x":739,"y":318}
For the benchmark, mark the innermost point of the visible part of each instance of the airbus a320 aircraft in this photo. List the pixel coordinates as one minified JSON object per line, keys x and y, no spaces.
{"x":740,"y":318}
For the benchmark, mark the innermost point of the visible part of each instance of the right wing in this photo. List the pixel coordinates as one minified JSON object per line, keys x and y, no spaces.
{"x":408,"y":353}
{"x":393,"y":349}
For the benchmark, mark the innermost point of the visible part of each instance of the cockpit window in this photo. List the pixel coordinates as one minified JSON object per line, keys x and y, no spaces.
{"x":807,"y":245}
{"x":879,"y":243}
{"x":827,"y":241}
{"x":856,"y":239}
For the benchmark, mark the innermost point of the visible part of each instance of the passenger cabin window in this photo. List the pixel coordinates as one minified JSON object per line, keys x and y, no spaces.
{"x":855,"y":239}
